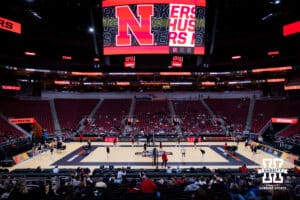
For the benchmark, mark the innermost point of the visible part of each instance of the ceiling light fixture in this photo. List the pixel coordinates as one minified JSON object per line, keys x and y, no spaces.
{"x":28,"y":53}
{"x":236,"y":57}
{"x":91,"y":30}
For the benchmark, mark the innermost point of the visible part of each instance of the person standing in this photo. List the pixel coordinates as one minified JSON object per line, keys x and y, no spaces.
{"x":225,"y":146}
{"x":195,"y":142}
{"x":160,"y":145}
{"x":153,"y":141}
{"x":164,"y":158}
{"x":80,"y":137}
{"x":237,"y":141}
{"x":154,"y":156}
{"x":183,"y":152}
{"x":51,"y":148}
{"x":107,"y":151}
{"x":254,"y":149}
{"x":246,"y":143}
{"x":89,"y":144}
{"x":132,"y":141}
{"x":202,"y":152}
{"x":59,"y":145}
{"x":145,"y":147}
{"x":178,"y":140}
{"x":148,"y":140}
{"x":115,"y":142}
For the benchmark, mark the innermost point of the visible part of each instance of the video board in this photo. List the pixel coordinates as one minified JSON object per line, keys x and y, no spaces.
{"x":153,"y":27}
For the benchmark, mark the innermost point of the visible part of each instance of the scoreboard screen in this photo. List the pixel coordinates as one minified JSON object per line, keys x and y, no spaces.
{"x":153,"y":27}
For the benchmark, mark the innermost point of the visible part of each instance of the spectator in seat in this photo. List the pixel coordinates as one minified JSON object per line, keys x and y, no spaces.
{"x":200,"y":194}
{"x":132,"y":187}
{"x":169,"y":170}
{"x":182,"y":181}
{"x":191,"y":187}
{"x":55,"y":170}
{"x":296,"y":169}
{"x":244,"y":169}
{"x":101,"y":191}
{"x":75,"y":181}
{"x":121,"y":173}
{"x":148,"y":186}
{"x":202,"y":181}
{"x":38,"y":169}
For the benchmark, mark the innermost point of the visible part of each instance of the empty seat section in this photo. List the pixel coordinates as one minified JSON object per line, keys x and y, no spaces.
{"x":152,"y":116}
{"x":7,"y":131}
{"x":109,"y":117}
{"x":71,"y":111}
{"x":232,"y":111}
{"x":265,"y":109}
{"x":194,"y":117}
{"x":38,"y":109}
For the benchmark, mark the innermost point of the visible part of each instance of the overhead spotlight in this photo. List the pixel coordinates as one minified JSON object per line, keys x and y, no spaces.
{"x":96,"y":59}
{"x":35,"y":14}
{"x":91,"y":30}
{"x":267,"y":17}
{"x":275,"y":2}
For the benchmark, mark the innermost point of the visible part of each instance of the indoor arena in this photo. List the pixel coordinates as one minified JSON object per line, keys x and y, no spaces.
{"x":149,"y":100}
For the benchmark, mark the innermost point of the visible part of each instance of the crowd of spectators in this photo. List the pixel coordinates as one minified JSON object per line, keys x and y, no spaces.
{"x":119,"y":184}
{"x":14,"y":146}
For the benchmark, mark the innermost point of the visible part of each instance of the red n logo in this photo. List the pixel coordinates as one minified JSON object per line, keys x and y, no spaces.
{"x":140,"y":28}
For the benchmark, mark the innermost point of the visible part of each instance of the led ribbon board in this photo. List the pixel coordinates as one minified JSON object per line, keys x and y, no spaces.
{"x":284,"y":120}
{"x":153,"y":27}
{"x":10,"y":25}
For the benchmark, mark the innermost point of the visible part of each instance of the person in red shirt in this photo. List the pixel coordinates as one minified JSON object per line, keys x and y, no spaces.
{"x":225,"y":146}
{"x":296,"y":169}
{"x":132,"y":141}
{"x":132,"y":187}
{"x":244,"y":169}
{"x":80,"y":137}
{"x":148,"y":186}
{"x":164,"y":158}
{"x":115,"y":142}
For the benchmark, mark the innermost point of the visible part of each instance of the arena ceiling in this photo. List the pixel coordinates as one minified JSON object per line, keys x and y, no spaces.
{"x":53,"y":28}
